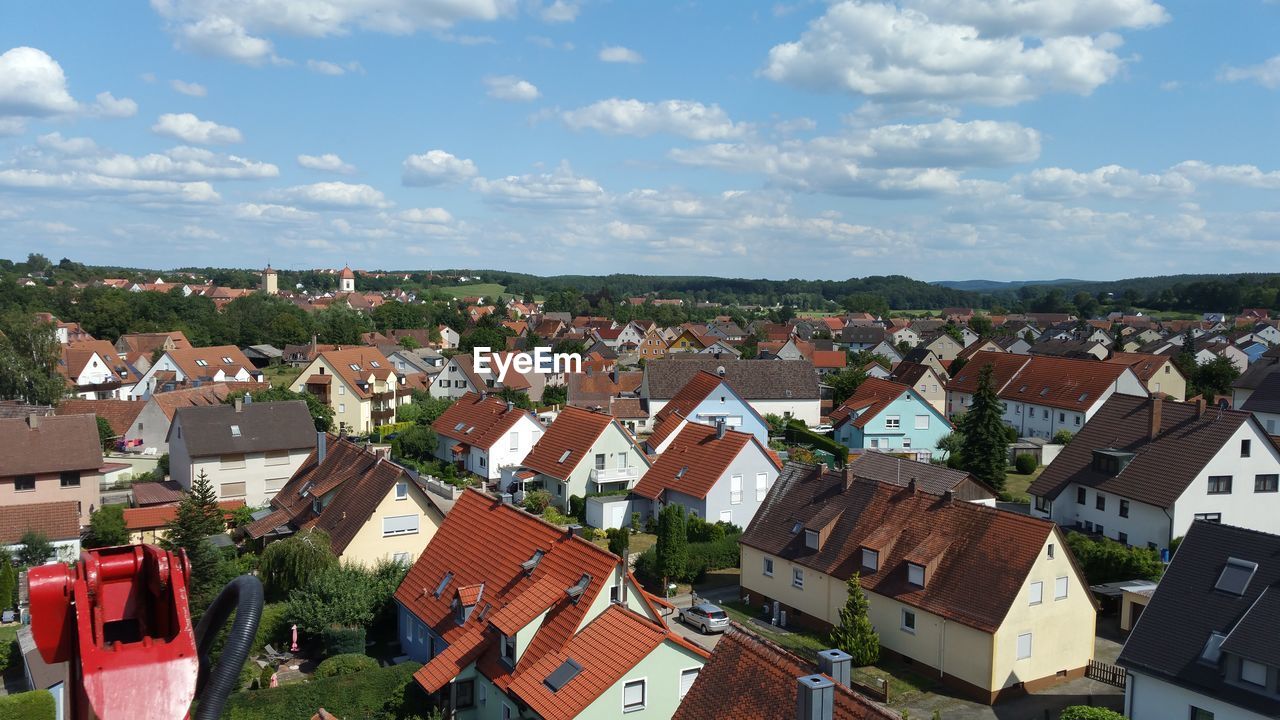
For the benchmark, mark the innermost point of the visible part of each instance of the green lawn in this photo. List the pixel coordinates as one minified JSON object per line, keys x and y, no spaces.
{"x":485,"y":290}
{"x":281,"y":375}
{"x":1016,"y":484}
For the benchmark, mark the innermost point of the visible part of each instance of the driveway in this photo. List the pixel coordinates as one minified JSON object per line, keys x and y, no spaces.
{"x":693,"y":634}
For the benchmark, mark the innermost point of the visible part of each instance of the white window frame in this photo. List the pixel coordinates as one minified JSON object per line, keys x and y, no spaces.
{"x":402,"y":490}
{"x":1035,"y":594}
{"x":892,"y":422}
{"x":1254,"y":667}
{"x":767,"y":569}
{"x":797,"y":578}
{"x":1061,"y":588}
{"x":906,"y":443}
{"x":735,"y":489}
{"x":514,"y":437}
{"x":417,"y":525}
{"x":874,"y":565}
{"x":1019,"y":653}
{"x":915,"y":574}
{"x":922,"y":422}
{"x":902,"y":621}
{"x":680,"y":679}
{"x":762,"y":486}
{"x":644,"y":695}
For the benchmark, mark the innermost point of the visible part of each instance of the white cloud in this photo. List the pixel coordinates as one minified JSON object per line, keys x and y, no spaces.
{"x":67,"y":146}
{"x":189,"y":128}
{"x":1266,"y":74}
{"x":328,"y":162}
{"x":900,"y":54}
{"x":188,"y":88}
{"x":267,"y":212}
{"x":1243,"y":175}
{"x":324,"y":67}
{"x":183,"y":164}
{"x":220,"y":36}
{"x":560,"y":11}
{"x":686,"y":118}
{"x":106,"y":105}
{"x":510,"y":87}
{"x":437,"y":167}
{"x":1045,"y":18}
{"x":619,"y":54}
{"x":90,"y":185}
{"x":427,"y":216}
{"x":953,"y":144}
{"x":32,"y":84}
{"x":560,"y":188}
{"x":332,"y":195}
{"x":1111,"y":181}
{"x":12,"y":126}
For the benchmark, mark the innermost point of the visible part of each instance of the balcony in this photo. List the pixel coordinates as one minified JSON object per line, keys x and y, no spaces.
{"x":382,"y":417}
{"x":613,"y":478}
{"x":384,"y":397}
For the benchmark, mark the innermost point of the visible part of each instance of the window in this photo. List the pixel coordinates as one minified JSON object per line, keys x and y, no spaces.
{"x":1050,"y":551}
{"x":922,"y":422}
{"x":599,"y":461}
{"x":908,"y":621}
{"x":1246,"y":446}
{"x":1060,"y":588}
{"x":1100,"y":502}
{"x":870,"y":559}
{"x":507,"y":712}
{"x":22,"y":483}
{"x":464,"y":694}
{"x":1124,"y":508}
{"x":1265,"y":483}
{"x":231,"y":462}
{"x":342,"y":390}
{"x":915,"y":574}
{"x":1098,"y":529}
{"x":1077,"y":420}
{"x":875,"y":443}
{"x":276,"y":457}
{"x":1200,"y":714}
{"x":402,"y":490}
{"x":1219,"y":484}
{"x":906,"y":443}
{"x":342,"y":407}
{"x":892,"y":422}
{"x":507,"y":649}
{"x":1123,"y":538}
{"x":811,"y":539}
{"x":70,"y":478}
{"x":1209,"y":517}
{"x":1080,"y":495}
{"x":797,"y":578}
{"x":399,"y":525}
{"x":633,"y":696}
{"x":622,"y":460}
{"x":762,"y":486}
{"x":401,"y":558}
{"x":735,"y":490}
{"x":686,"y":680}
{"x":768,"y":567}
{"x":1037,"y":593}
{"x":1024,"y":646}
{"x":1062,"y":417}
{"x":1043,"y":504}
{"x":1253,"y":673}
{"x":231,"y":490}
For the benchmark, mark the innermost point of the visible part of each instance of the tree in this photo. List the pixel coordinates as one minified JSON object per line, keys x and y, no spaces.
{"x":555,"y":395}
{"x":408,"y":343}
{"x":29,"y":357}
{"x":8,"y":584}
{"x":854,"y":633}
{"x":1215,"y":377}
{"x":984,"y":451}
{"x":107,"y":528}
{"x":343,"y":595}
{"x":1104,"y":560}
{"x":673,"y":543}
{"x":982,"y":325}
{"x":1089,"y":712}
{"x":198,"y":517}
{"x":36,"y":550}
{"x":949,"y":445}
{"x":289,"y":564}
{"x":321,"y":414}
{"x":417,"y":442}
{"x":105,"y":433}
{"x":619,"y":541}
{"x":845,"y":383}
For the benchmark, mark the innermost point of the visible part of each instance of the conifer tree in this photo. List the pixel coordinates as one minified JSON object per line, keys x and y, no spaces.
{"x":984,"y":452}
{"x":854,"y":634}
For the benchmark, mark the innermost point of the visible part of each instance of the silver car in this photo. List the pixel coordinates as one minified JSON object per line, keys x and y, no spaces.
{"x":706,"y":617}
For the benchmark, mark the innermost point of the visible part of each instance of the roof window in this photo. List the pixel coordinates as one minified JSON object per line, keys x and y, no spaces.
{"x":564,"y":456}
{"x":1235,"y":576}
{"x":235,"y":431}
{"x":561,"y":676}
{"x":444,"y":583}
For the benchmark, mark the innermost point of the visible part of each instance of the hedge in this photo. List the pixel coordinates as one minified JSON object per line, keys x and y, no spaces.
{"x":34,"y":705}
{"x":1086,"y":712}
{"x":703,"y":558}
{"x":385,"y":692}
{"x":345,"y":665}
{"x":338,"y":640}
{"x":382,"y":431}
{"x":798,"y":434}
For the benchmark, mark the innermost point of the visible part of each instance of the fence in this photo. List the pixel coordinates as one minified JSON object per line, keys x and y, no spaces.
{"x":1104,"y":673}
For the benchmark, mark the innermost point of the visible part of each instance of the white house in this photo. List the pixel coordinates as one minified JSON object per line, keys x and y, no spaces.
{"x":485,"y":434}
{"x":786,"y":388}
{"x":584,"y":452}
{"x":187,"y":367}
{"x":707,"y":399}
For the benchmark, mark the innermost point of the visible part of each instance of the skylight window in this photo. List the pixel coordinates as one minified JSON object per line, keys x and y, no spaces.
{"x":561,"y":676}
{"x":564,"y":456}
{"x":1235,"y":576}
{"x":354,"y":366}
{"x":227,"y":360}
{"x":459,"y":426}
{"x":202,"y":363}
{"x":1083,"y":396}
{"x":532,"y":562}
{"x":374,"y":363}
{"x":683,"y":469}
{"x":1022,"y":389}
{"x":235,"y":431}
{"x":1044,"y":391}
{"x":797,"y":527}
{"x":444,"y":583}
{"x":578,"y":588}
{"x":1213,"y":648}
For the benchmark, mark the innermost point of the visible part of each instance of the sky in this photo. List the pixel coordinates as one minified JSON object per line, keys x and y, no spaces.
{"x":939,"y":139}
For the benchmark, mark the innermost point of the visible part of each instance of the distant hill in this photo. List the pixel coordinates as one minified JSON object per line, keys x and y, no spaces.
{"x":996,"y":286}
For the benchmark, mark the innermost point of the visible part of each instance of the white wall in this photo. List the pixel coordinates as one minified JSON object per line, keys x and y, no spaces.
{"x":1243,"y":507}
{"x":1149,"y":698}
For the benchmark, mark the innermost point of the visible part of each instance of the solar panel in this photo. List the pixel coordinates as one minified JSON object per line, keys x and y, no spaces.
{"x":561,"y":676}
{"x":1235,"y":576}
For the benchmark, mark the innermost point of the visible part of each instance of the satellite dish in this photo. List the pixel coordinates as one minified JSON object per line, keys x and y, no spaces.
{"x":720,"y":371}
{"x":1224,"y":404}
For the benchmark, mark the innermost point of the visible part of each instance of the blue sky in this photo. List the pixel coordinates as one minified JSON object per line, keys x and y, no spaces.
{"x":939,"y":139}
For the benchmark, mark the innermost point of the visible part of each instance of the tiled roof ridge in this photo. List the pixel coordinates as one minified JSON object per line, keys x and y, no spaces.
{"x":958,"y":505}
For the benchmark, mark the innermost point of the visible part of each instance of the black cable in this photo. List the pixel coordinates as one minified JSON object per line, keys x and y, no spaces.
{"x":244,"y":596}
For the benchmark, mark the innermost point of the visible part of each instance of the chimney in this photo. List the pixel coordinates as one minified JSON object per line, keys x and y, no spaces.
{"x":510,"y":406}
{"x":506,"y":498}
{"x":1155,"y":417}
{"x":1201,"y":403}
{"x":836,"y":664}
{"x":948,"y":496}
{"x":322,"y":442}
{"x":815,"y":698}
{"x":720,"y":429}
{"x":33,"y":421}
{"x":574,"y":530}
{"x":911,"y":486}
{"x":239,"y":404}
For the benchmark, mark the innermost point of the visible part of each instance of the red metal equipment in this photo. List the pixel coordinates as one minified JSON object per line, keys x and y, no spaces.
{"x":119,"y":617}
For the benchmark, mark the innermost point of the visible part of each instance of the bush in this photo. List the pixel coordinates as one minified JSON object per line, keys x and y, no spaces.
{"x":1085,"y":712}
{"x":1062,"y":437}
{"x":1104,"y":560}
{"x":34,"y":705}
{"x":619,"y":541}
{"x":701,"y":558}
{"x":553,"y":515}
{"x":10,"y":656}
{"x":1025,"y":463}
{"x":264,"y":676}
{"x":537,"y":501}
{"x":577,"y":506}
{"x":385,"y":692}
{"x":339,"y":640}
{"x":798,"y":434}
{"x":345,"y":665}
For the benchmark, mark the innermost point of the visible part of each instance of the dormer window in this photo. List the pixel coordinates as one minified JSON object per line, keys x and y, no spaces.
{"x":870,"y":559}
{"x":507,"y":650}
{"x":915,"y":574}
{"x":811,"y":539}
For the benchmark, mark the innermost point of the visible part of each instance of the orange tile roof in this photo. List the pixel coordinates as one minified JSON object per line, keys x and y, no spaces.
{"x":873,"y":395}
{"x":1064,"y":383}
{"x":1003,"y":367}
{"x":1143,"y":365}
{"x":829,"y":358}
{"x":364,"y":358}
{"x":567,"y":442}
{"x":54,"y":520}
{"x":478,"y":420}
{"x":682,"y":404}
{"x":695,"y":461}
{"x":157,"y":516}
{"x":212,"y":357}
{"x":120,"y":414}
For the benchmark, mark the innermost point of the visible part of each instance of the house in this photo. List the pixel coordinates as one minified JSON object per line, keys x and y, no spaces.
{"x":925,"y":356}
{"x":149,"y":343}
{"x":786,"y":388}
{"x":95,"y":372}
{"x":149,"y":431}
{"x":827,"y":362}
{"x":1264,"y":403}
{"x":247,"y":451}
{"x":905,"y":336}
{"x":922,"y":378}
{"x":1043,"y":395}
{"x":1156,"y":372}
{"x":942,"y":345}
{"x":863,"y":337}
{"x":888,"y":352}
{"x":119,"y":414}
{"x":717,"y":474}
{"x":150,"y":524}
{"x":485,"y":434}
{"x":707,"y":399}
{"x":190,"y":367}
{"x":687,"y":341}
{"x":459,"y":377}
{"x":1249,"y":380}
{"x":59,"y":521}
{"x":1144,"y":468}
{"x":50,"y":459}
{"x":750,"y":678}
{"x":371,"y":508}
{"x":449,"y":338}
{"x":1080,"y":349}
{"x":359,"y":383}
{"x":721,"y":348}
{"x":560,"y":458}
{"x":885,"y":416}
{"x":1014,"y":344}
{"x":1205,"y":647}
{"x":988,"y":601}
{"x":928,"y":477}
{"x":513,"y":617}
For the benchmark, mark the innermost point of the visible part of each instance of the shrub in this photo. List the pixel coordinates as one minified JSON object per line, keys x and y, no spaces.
{"x":619,"y":541}
{"x":264,"y":676}
{"x":1104,"y":560}
{"x":345,"y":665}
{"x":34,"y":705}
{"x":553,"y":515}
{"x":699,"y":530}
{"x":1085,"y":712}
{"x":339,"y":640}
{"x":636,"y":526}
{"x":577,"y":506}
{"x":1025,"y":463}
{"x":700,"y":558}
{"x":1062,"y":437}
{"x":537,"y":501}
{"x":377,"y":693}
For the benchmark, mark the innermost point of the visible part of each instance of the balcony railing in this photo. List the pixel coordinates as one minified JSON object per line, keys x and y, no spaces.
{"x":384,"y":396}
{"x":609,"y":476}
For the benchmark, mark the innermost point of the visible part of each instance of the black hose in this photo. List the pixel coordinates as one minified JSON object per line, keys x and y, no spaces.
{"x":244,"y":596}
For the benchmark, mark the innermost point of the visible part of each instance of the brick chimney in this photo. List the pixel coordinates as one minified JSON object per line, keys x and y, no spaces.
{"x":1201,"y":404}
{"x":1155,"y":416}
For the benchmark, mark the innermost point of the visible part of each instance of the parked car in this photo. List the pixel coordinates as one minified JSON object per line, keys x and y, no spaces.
{"x":706,"y":617}
{"x":823,"y":428}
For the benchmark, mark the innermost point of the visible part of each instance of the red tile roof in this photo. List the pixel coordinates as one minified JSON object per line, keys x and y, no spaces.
{"x":681,"y":406}
{"x":157,"y":516}
{"x":873,"y":395}
{"x":368,"y":362}
{"x":55,"y":444}
{"x":1061,"y":382}
{"x":1143,"y":365}
{"x":120,"y":414}
{"x":567,"y":442}
{"x":188,"y":359}
{"x":830,"y":358}
{"x":478,"y":420}
{"x":55,"y":520}
{"x":156,"y":493}
{"x":1003,"y":367}
{"x":695,"y":461}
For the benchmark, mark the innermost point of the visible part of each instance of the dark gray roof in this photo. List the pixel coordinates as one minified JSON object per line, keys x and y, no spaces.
{"x":929,"y":478}
{"x":266,"y":351}
{"x":262,"y":426}
{"x":1266,"y":396}
{"x":1186,"y":609}
{"x":862,"y":334}
{"x":751,"y":379}
{"x":1064,"y":348}
{"x":1257,"y":372}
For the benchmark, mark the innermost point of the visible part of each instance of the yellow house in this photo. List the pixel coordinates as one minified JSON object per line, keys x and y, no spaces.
{"x":989,"y":602}
{"x":686,"y":341}
{"x":370,"y":507}
{"x":1157,"y":373}
{"x":359,"y":383}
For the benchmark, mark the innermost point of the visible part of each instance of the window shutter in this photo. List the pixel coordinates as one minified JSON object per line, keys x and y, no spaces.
{"x":399,"y":524}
